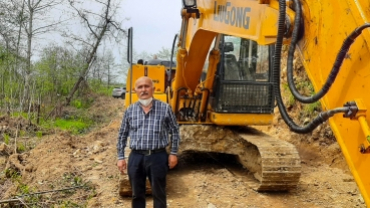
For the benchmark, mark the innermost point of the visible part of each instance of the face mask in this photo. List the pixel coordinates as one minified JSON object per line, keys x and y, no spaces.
{"x":146,"y":102}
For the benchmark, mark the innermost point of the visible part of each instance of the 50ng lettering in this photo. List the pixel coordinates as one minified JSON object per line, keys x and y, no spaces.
{"x":234,"y":16}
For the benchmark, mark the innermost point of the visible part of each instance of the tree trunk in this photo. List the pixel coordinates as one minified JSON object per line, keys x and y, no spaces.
{"x":74,"y":89}
{"x":91,"y":56}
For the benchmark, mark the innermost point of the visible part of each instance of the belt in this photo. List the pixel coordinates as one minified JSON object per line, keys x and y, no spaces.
{"x":148,"y":152}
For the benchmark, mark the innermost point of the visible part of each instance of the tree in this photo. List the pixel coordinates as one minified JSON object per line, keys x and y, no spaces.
{"x":164,"y":53}
{"x":35,"y":11}
{"x":56,"y":69}
{"x":12,"y":62}
{"x":102,"y":69}
{"x":23,"y":21}
{"x":99,"y":26}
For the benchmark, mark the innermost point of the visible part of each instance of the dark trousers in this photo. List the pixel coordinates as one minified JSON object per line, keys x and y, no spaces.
{"x":155,"y":167}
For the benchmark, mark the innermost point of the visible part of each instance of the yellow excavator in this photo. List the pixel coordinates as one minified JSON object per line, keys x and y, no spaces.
{"x":228,"y":74}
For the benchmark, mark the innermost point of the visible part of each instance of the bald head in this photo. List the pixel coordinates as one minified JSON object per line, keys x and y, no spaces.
{"x":144,"y":87}
{"x":144,"y":79}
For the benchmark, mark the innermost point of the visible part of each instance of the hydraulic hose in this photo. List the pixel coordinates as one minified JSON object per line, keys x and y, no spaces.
{"x":170,"y":70}
{"x":323,"y":116}
{"x":335,"y":69}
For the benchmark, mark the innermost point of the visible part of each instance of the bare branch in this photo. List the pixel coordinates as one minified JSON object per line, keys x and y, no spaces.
{"x":81,"y":40}
{"x":83,"y":16}
{"x":18,"y":198}
{"x":9,"y":200}
{"x":115,"y":25}
{"x":102,"y":2}
{"x":37,"y":30}
{"x":34,"y":6}
{"x":93,"y":13}
{"x":49,"y":5}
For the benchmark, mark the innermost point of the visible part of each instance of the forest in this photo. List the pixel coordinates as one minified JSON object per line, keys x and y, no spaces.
{"x":53,"y":53}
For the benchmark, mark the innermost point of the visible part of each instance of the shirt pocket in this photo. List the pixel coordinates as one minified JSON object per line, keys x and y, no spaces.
{"x":158,"y":126}
{"x":135,"y":124}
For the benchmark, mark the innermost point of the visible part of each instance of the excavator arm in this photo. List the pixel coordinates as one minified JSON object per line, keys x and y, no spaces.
{"x":334,"y":44}
{"x":329,"y":26}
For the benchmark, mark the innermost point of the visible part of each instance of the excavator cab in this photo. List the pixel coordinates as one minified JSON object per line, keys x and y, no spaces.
{"x":243,"y":77}
{"x":241,"y":94}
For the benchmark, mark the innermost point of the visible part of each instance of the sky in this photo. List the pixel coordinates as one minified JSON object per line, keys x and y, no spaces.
{"x":155,"y":23}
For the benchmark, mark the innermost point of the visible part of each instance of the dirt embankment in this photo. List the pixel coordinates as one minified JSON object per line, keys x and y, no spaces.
{"x":201,"y":180}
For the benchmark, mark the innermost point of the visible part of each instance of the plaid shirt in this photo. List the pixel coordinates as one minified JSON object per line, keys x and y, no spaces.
{"x":148,"y":131}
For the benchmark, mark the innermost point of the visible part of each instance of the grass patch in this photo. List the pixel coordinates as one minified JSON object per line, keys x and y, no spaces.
{"x":29,"y":198}
{"x":311,"y":108}
{"x":21,"y":147}
{"x":288,"y":94}
{"x":20,"y":114}
{"x":105,"y":91}
{"x":13,"y":175}
{"x":39,"y":134}
{"x":22,"y":133}
{"x":101,"y":89}
{"x":75,"y":126}
{"x":6,"y":139}
{"x":82,"y":103}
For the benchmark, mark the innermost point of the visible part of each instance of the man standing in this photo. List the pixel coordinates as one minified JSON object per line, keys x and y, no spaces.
{"x":149,"y":123}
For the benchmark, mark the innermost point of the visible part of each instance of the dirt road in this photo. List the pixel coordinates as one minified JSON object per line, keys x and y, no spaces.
{"x":200,"y":180}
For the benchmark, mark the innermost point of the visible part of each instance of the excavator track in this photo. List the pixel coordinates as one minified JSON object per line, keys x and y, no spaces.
{"x":275,"y":163}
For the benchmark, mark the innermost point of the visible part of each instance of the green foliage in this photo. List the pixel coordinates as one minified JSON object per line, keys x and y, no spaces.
{"x":39,"y":134}
{"x":77,"y":104}
{"x":46,"y":125}
{"x":104,"y":91}
{"x":32,"y":199}
{"x":76,"y":126}
{"x":11,"y":80}
{"x":72,"y":179}
{"x":165,"y":53}
{"x":20,"y":114}
{"x":56,"y":70}
{"x":53,"y":76}
{"x":6,"y":139}
{"x":22,"y":133}
{"x":12,"y":174}
{"x":100,"y":88}
{"x":305,"y":87}
{"x":82,"y":103}
{"x":23,"y":189}
{"x":21,"y":147}
{"x":288,"y":94}
{"x":312,"y":108}
{"x":77,"y":181}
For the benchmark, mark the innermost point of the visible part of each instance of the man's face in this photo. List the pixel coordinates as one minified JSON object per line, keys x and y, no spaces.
{"x":144,"y":88}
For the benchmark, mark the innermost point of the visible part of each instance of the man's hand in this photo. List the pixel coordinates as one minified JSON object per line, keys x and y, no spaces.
{"x":172,"y":161}
{"x":121,"y":164}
